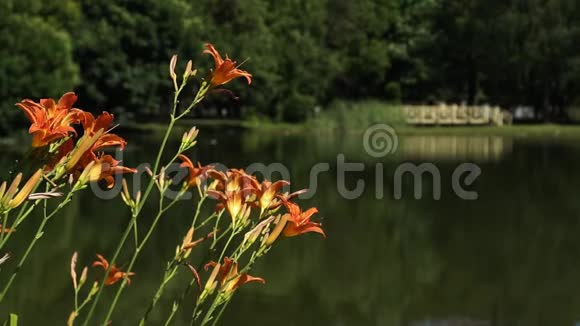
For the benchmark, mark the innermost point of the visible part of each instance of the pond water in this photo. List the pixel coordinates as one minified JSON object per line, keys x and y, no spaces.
{"x":511,"y":257}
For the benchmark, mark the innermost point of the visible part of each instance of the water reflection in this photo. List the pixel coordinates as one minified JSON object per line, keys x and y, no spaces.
{"x":458,"y":148}
{"x":509,"y":258}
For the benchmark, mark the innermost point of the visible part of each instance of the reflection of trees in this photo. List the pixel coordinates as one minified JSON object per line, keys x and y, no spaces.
{"x":510,"y":258}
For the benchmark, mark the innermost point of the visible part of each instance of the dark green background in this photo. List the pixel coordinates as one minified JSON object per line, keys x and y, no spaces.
{"x":509,"y":258}
{"x":303,"y":53}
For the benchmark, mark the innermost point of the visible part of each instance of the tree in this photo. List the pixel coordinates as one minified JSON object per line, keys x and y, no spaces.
{"x":35,"y":58}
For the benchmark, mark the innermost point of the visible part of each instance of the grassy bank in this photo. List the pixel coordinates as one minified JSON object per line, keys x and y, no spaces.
{"x":357,"y":117}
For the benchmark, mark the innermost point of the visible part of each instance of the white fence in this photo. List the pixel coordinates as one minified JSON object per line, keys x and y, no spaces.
{"x":456,"y":115}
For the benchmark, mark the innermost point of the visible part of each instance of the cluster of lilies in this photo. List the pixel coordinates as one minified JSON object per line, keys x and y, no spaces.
{"x":72,"y":145}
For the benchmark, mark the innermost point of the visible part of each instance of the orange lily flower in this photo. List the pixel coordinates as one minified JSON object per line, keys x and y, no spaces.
{"x":268,"y":192}
{"x":115,"y":274}
{"x":50,"y":120}
{"x":229,"y":277}
{"x":277,"y":202}
{"x":225,"y":70}
{"x":92,"y":125}
{"x":196,"y":174}
{"x":299,"y":222}
{"x":233,"y":201}
{"x":234,"y":180}
{"x":109,"y":168}
{"x":234,"y":188}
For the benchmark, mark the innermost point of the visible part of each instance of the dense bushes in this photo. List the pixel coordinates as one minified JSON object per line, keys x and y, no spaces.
{"x":304,"y":53}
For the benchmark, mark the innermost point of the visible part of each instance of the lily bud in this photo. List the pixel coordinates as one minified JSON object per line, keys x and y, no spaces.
{"x":11,"y":190}
{"x":172,"y":74}
{"x":84,"y":144}
{"x":280,"y":224}
{"x":73,"y":272}
{"x":161,"y":179}
{"x":125,"y":195}
{"x":138,"y":198}
{"x":26,"y":190}
{"x":185,"y":245}
{"x":251,"y":236}
{"x":83,"y":278}
{"x":71,"y":318}
{"x":2,"y":189}
{"x":210,"y":284}
{"x":188,"y":139}
{"x":188,"y":70}
{"x":91,"y":173}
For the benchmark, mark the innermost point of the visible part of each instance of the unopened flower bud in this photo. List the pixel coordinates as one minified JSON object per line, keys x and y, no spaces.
{"x":280,"y":224}
{"x":125,"y":195}
{"x":185,"y":245}
{"x":26,"y":190}
{"x":189,"y":70}
{"x":83,"y":278}
{"x":251,"y":236}
{"x":172,"y":74}
{"x":84,"y":144}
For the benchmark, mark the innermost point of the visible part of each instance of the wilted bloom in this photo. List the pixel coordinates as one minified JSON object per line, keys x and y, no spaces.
{"x":299,"y":222}
{"x":115,"y":274}
{"x":45,"y":195}
{"x":195,"y":275}
{"x":225,"y":70}
{"x":4,"y":258}
{"x":196,"y":174}
{"x":50,"y":120}
{"x":228,"y":275}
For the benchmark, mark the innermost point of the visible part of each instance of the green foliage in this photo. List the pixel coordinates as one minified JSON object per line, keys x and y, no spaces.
{"x":36,"y":58}
{"x":510,"y":52}
{"x":303,"y":53}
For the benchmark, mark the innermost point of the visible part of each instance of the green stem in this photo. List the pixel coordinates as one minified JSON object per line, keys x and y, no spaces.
{"x":135,"y":214}
{"x":232,"y":235}
{"x":177,"y":304}
{"x":210,"y":311}
{"x":38,"y":235}
{"x":4,"y":227}
{"x":143,"y":200}
{"x":135,"y":255}
{"x":115,"y":256}
{"x":169,"y":274}
{"x":22,"y":215}
{"x":215,"y":320}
